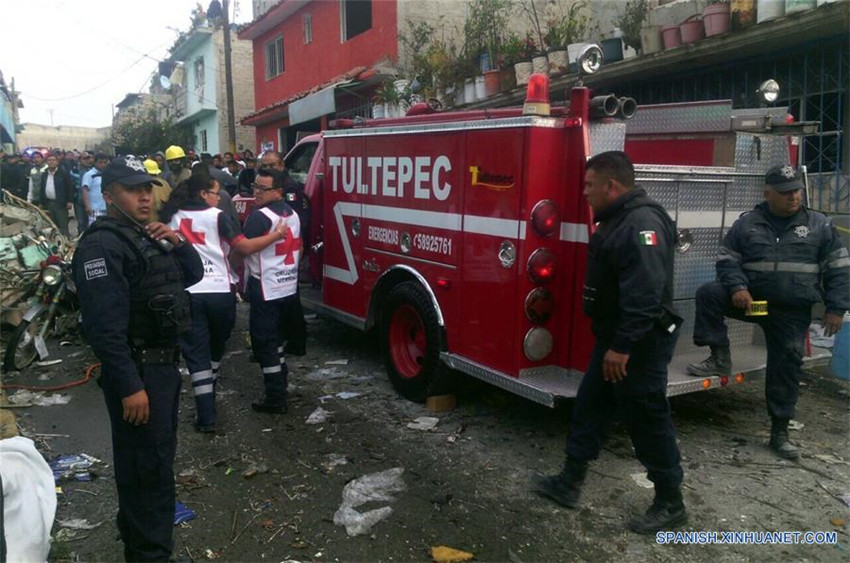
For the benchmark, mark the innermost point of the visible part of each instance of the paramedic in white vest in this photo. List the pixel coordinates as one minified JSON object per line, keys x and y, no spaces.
{"x":192,"y":210}
{"x":272,"y":284}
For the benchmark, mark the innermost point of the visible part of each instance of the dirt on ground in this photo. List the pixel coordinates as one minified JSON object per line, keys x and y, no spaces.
{"x":267,"y":487}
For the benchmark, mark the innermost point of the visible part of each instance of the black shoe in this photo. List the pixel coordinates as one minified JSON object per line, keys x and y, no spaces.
{"x":659,"y":516}
{"x":564,"y":488}
{"x":719,"y":363}
{"x":205,"y":428}
{"x":779,"y":440}
{"x":295,"y":349}
{"x":271,"y":408}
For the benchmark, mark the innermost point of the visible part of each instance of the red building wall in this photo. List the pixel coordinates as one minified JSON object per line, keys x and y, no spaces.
{"x":326,"y":57}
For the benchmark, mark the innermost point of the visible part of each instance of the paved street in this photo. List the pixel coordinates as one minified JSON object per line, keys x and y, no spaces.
{"x":267,"y":487}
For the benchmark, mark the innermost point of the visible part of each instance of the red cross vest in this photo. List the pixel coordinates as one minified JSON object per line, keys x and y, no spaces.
{"x":276,"y":266}
{"x":200,"y":228}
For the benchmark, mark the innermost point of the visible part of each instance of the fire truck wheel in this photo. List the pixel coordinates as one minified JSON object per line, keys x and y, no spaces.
{"x":410,"y":342}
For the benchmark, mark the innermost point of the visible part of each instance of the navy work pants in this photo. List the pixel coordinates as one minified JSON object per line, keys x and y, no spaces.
{"x":267,"y":324}
{"x":784,"y":329}
{"x":213,"y":317}
{"x":144,"y":465}
{"x":294,"y":325}
{"x":641,"y":399}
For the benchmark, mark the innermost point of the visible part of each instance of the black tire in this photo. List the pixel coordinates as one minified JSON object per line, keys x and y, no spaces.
{"x":27,"y":355}
{"x":411,"y":340}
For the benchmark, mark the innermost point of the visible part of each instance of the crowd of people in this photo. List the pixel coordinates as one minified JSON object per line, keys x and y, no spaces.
{"x":67,"y":183}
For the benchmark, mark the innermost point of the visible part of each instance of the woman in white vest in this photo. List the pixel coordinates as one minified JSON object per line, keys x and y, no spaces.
{"x":192,"y":211}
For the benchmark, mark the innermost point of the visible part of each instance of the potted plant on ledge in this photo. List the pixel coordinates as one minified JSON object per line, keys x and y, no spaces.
{"x":563,"y":27}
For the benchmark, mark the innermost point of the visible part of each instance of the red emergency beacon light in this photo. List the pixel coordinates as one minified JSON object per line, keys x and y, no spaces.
{"x":537,"y":96}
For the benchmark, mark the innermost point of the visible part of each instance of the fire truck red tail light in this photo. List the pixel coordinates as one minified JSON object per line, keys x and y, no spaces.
{"x":537,"y":96}
{"x":739,"y":378}
{"x":544,"y":218}
{"x":539,"y":305}
{"x":724,"y":381}
{"x":537,"y":344}
{"x":541,"y":266}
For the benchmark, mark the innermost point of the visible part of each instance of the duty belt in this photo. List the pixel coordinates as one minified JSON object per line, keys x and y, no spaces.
{"x":156,"y":355}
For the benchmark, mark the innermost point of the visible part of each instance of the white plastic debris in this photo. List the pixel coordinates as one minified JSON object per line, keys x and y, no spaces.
{"x":424,"y":423}
{"x":343,"y":362}
{"x":333,"y":460}
{"x":794,"y":425}
{"x":79,"y":524}
{"x":345,"y":395}
{"x":325,"y":374}
{"x":374,"y":487}
{"x":47,"y":363}
{"x":641,"y":480}
{"x":318,"y":416}
{"x":38,"y":398}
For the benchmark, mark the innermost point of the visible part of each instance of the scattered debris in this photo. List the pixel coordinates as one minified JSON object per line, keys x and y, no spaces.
{"x":337,"y":363}
{"x":357,"y":380}
{"x":73,"y":467}
{"x":266,"y":430}
{"x":254,"y":470}
{"x":189,"y":477}
{"x":78,"y":524}
{"x":444,"y":554}
{"x":28,"y":398}
{"x":69,"y":535}
{"x":325,"y":374}
{"x":182,"y":513}
{"x":641,"y":480}
{"x":333,"y":460}
{"x":66,"y":343}
{"x":838,"y":522}
{"x":453,"y":437}
{"x":424,"y":423}
{"x":47,"y":363}
{"x":374,"y":487}
{"x":830,"y":459}
{"x":345,"y":395}
{"x":795,"y":425}
{"x":318,"y":416}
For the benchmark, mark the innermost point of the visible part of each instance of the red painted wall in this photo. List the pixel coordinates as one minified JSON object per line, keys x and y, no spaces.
{"x":326,"y":57}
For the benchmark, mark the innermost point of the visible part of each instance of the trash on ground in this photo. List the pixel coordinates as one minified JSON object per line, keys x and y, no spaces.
{"x":25,"y":397}
{"x":79,"y":524}
{"x":183,"y":371}
{"x":46,"y":363}
{"x":73,"y":467}
{"x":333,"y":460}
{"x":444,"y":554}
{"x":373,"y":487}
{"x":344,"y":395}
{"x":838,"y":522}
{"x":189,"y":477}
{"x":182,"y":513}
{"x":228,"y":471}
{"x":454,"y":437}
{"x":44,"y":377}
{"x":325,"y":398}
{"x":69,"y":535}
{"x":424,"y":423}
{"x":640,"y":479}
{"x":266,"y":430}
{"x":325,"y":374}
{"x":818,"y":338}
{"x":830,"y":459}
{"x":66,"y":343}
{"x":361,"y":379}
{"x":794,"y":425}
{"x":318,"y":416}
{"x":254,"y":470}
{"x":343,"y":362}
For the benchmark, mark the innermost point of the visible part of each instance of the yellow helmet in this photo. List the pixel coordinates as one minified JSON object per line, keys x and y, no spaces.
{"x":152,"y":167}
{"x":174,"y":152}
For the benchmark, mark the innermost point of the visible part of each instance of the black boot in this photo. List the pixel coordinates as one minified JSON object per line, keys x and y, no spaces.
{"x":565,"y":487}
{"x":718,"y":363}
{"x":275,"y":400}
{"x":779,"y":440}
{"x":667,"y":511}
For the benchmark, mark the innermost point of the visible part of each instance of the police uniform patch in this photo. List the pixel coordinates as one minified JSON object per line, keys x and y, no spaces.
{"x":648,"y":238}
{"x":787,"y":171}
{"x":95,"y":269}
{"x":802,"y":231}
{"x":291,"y":197}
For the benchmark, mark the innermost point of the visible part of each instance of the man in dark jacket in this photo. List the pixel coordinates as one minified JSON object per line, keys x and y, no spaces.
{"x":56,"y":193}
{"x":628,"y":295}
{"x":792,"y":258}
{"x":14,"y":176}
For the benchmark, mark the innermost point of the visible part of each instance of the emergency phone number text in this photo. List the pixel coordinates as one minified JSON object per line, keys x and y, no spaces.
{"x":433,"y":243}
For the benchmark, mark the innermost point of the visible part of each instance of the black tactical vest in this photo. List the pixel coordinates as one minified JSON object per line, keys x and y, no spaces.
{"x":160,"y":307}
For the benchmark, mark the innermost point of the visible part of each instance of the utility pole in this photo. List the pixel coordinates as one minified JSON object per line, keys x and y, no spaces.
{"x":228,"y":80}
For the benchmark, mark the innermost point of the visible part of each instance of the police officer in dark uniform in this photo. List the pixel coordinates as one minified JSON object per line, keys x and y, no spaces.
{"x":791,"y":257}
{"x":295,"y":327}
{"x":131,"y":278}
{"x":628,"y":294}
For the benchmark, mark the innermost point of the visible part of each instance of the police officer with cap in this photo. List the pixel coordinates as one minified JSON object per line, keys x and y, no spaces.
{"x":790,"y":256}
{"x":131,"y":277}
{"x":628,"y":294}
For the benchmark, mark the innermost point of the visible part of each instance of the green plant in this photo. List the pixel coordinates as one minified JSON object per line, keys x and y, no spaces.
{"x":488,"y":27}
{"x":511,"y":50}
{"x":564,"y":25}
{"x":631,"y":20}
{"x":387,"y":93}
{"x":537,"y":38}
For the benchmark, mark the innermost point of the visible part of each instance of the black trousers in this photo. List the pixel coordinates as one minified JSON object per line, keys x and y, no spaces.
{"x":144,"y":465}
{"x":213,"y":317}
{"x":294,"y":325}
{"x":267,"y":324}
{"x":784,"y":329}
{"x":641,"y":399}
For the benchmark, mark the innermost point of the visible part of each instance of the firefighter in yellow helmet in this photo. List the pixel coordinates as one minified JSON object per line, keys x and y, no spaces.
{"x":161,"y":190}
{"x":178,"y":171}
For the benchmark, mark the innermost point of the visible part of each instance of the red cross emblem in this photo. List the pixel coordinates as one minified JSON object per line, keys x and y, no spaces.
{"x":191,"y":236}
{"x":287,"y":247}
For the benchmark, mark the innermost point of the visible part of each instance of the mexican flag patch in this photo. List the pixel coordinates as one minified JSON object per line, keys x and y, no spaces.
{"x":648,"y":238}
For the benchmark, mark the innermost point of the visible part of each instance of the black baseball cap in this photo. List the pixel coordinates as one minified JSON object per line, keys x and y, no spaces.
{"x":783,"y":178}
{"x":127,"y":170}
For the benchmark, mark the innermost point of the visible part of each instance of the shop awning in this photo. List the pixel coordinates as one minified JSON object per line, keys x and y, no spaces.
{"x":315,"y":105}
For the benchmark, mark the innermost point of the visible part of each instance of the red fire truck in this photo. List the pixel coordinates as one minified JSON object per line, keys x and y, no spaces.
{"x":461,"y":236}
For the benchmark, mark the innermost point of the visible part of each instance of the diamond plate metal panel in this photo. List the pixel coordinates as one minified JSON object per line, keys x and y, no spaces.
{"x":681,"y":118}
{"x":606,"y":136}
{"x":696,"y":266}
{"x":740,"y":333}
{"x":757,"y":153}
